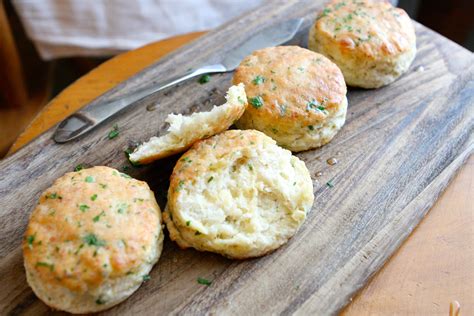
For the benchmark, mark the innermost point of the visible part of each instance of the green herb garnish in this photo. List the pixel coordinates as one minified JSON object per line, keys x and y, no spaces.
{"x":84,"y":207}
{"x":79,"y":167}
{"x":146,"y":277}
{"x":45,"y":264}
{"x":311,"y":127}
{"x":89,"y":179}
{"x":240,"y":100}
{"x":97,"y":218}
{"x":124,"y":175}
{"x":92,"y":240}
{"x":312,"y":105}
{"x":204,"y":79}
{"x":210,"y":179}
{"x":54,"y":196}
{"x":258,"y":80}
{"x":257,"y":102}
{"x":204,"y":281}
{"x":128,"y":152}
{"x":30,"y":240}
{"x":94,"y":197}
{"x":188,"y":223}
{"x":100,"y":301}
{"x":114,"y":132}
{"x":329,"y":184}
{"x":122,"y":208}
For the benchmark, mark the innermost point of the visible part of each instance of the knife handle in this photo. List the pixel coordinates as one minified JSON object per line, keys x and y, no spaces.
{"x":92,"y":115}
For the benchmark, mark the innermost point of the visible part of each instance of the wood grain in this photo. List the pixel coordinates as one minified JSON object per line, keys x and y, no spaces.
{"x":434,"y":266}
{"x":400,"y":147}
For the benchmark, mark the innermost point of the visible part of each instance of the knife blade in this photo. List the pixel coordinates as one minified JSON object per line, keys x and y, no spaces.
{"x":92,"y":115}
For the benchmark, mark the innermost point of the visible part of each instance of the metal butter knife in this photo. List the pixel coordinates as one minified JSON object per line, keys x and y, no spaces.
{"x":94,"y":114}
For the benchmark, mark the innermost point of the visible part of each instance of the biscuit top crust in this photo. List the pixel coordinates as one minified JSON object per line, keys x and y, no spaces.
{"x":90,"y":226}
{"x":208,"y":155}
{"x":369,"y":29}
{"x":290,"y":83}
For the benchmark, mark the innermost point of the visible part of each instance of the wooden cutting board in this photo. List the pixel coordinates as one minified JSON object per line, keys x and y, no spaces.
{"x":398,"y":150}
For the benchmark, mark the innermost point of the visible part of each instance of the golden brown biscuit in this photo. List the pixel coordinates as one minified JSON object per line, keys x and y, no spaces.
{"x":237,"y":194}
{"x":92,"y":240}
{"x":296,"y":96}
{"x":372,"y":42}
{"x":185,"y":130}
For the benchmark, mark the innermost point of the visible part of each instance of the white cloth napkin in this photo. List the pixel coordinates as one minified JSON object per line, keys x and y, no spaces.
{"x":64,"y":28}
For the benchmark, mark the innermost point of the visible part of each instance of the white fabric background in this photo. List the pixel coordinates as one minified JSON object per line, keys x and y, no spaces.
{"x":64,"y":28}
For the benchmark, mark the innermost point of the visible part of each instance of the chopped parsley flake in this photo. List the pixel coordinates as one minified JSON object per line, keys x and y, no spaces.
{"x":124,"y":175}
{"x":45,"y":264}
{"x":97,"y":218}
{"x":210,"y":179}
{"x":339,"y":5}
{"x":197,"y":233}
{"x":54,"y":196}
{"x":94,"y":197}
{"x":114,"y":132}
{"x":311,"y":127}
{"x":180,"y":185}
{"x":89,"y":179}
{"x":146,"y":277}
{"x":329,"y":184}
{"x":258,"y":80}
{"x":257,"y":102}
{"x":127,"y":152}
{"x":103,"y":186}
{"x":186,"y":159}
{"x":311,"y":105}
{"x":250,"y":167}
{"x":92,"y":240}
{"x":30,"y":240}
{"x":84,"y":207}
{"x":100,"y":301}
{"x":240,"y":100}
{"x":122,"y":208}
{"x":324,"y":13}
{"x":204,"y":281}
{"x":188,"y":223}
{"x":79,"y":167}
{"x":204,"y":79}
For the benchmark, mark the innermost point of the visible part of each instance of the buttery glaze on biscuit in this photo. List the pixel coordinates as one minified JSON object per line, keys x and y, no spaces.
{"x":372,"y":42}
{"x":92,"y":240}
{"x":296,"y":96}
{"x":237,"y":194}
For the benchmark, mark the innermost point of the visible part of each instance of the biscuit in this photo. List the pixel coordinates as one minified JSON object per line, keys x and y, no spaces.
{"x":92,"y":240}
{"x":185,"y":130}
{"x":237,"y":194}
{"x":373,"y":43}
{"x":296,"y":96}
